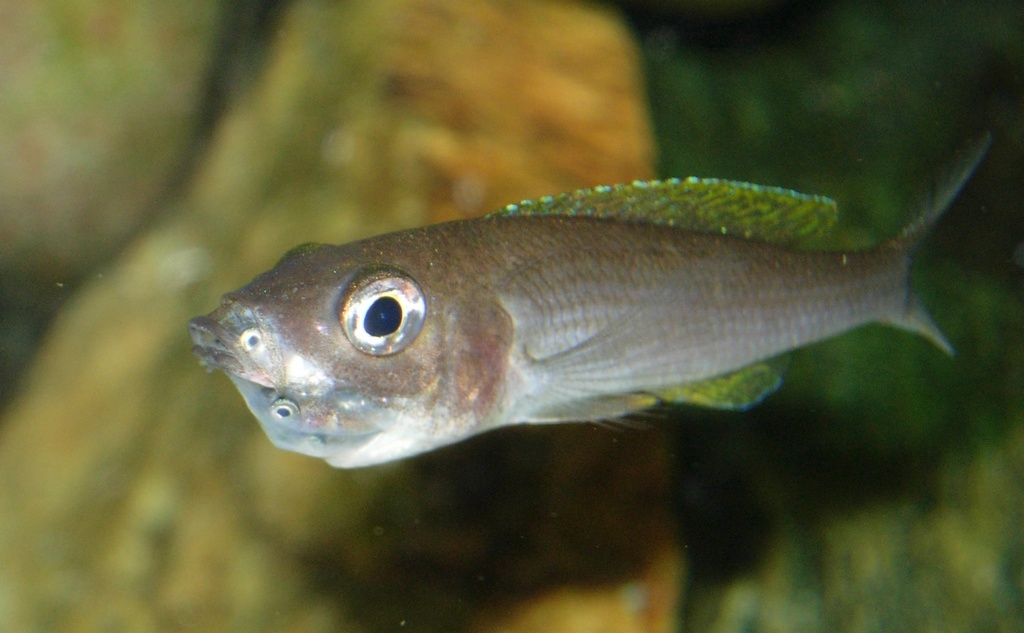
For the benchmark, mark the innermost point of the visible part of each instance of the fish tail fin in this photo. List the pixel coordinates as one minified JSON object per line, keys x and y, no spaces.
{"x":914,"y":316}
{"x":946,"y":188}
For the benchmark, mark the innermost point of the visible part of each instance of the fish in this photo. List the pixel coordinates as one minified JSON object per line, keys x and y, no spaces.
{"x":590,"y":305}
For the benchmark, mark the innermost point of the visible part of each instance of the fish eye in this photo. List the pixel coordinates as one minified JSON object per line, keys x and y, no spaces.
{"x":382,"y":312}
{"x":283,"y":409}
{"x":250,"y":339}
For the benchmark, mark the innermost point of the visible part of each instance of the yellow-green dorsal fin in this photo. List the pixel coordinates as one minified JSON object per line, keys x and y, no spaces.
{"x":300,"y":250}
{"x":739,"y":390}
{"x":706,"y":205}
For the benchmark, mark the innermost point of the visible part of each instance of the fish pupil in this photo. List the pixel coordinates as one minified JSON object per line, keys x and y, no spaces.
{"x":383,"y":317}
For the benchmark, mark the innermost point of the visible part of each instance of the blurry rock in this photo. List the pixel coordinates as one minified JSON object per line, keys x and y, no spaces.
{"x":629,"y":608}
{"x":707,"y":9}
{"x":551,"y":101}
{"x":99,"y":104}
{"x":952,"y":565}
{"x":138,"y":494}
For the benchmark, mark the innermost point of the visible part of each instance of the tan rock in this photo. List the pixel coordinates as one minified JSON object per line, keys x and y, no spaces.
{"x":552,"y":101}
{"x":640,"y":606}
{"x":99,"y":107}
{"x":709,"y":9}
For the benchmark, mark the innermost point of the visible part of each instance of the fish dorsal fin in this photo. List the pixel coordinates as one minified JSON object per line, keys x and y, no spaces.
{"x":705,"y":205}
{"x":738,"y":390}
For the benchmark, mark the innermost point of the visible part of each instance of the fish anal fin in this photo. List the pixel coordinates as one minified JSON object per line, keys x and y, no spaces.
{"x":738,"y":390}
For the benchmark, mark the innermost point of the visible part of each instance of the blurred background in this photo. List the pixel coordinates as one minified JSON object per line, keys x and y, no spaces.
{"x":156,"y":155}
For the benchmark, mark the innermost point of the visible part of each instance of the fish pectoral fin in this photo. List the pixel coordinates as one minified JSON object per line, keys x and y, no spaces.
{"x":594,"y":409}
{"x":738,"y":390}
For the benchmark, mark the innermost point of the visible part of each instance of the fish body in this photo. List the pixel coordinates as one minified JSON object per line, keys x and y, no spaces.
{"x":395,"y":345}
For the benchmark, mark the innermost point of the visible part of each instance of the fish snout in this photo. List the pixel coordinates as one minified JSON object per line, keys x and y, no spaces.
{"x":210,"y":344}
{"x":230,"y":339}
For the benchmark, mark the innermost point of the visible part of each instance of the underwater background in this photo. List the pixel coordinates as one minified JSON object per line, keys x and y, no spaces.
{"x":156,"y":155}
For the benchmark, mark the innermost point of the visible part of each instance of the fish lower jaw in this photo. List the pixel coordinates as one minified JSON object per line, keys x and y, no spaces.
{"x":349,"y":450}
{"x":326,"y":446}
{"x":381,"y":438}
{"x":298,"y":432}
{"x":379,"y":448}
{"x":352,"y":449}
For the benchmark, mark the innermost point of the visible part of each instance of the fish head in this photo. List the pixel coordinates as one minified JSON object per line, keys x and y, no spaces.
{"x":354,"y":360}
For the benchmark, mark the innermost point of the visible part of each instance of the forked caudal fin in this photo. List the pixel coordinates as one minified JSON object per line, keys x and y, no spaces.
{"x":916,"y":318}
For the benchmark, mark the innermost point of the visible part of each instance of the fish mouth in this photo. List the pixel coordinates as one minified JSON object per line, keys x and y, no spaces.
{"x":209,"y":340}
{"x":217,"y":341}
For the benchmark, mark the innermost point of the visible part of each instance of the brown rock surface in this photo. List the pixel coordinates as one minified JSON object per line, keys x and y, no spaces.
{"x":705,"y":9}
{"x":138,"y":494}
{"x":635,"y":607}
{"x":553,"y":102}
{"x":99,"y":103}
{"x":950,"y":564}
